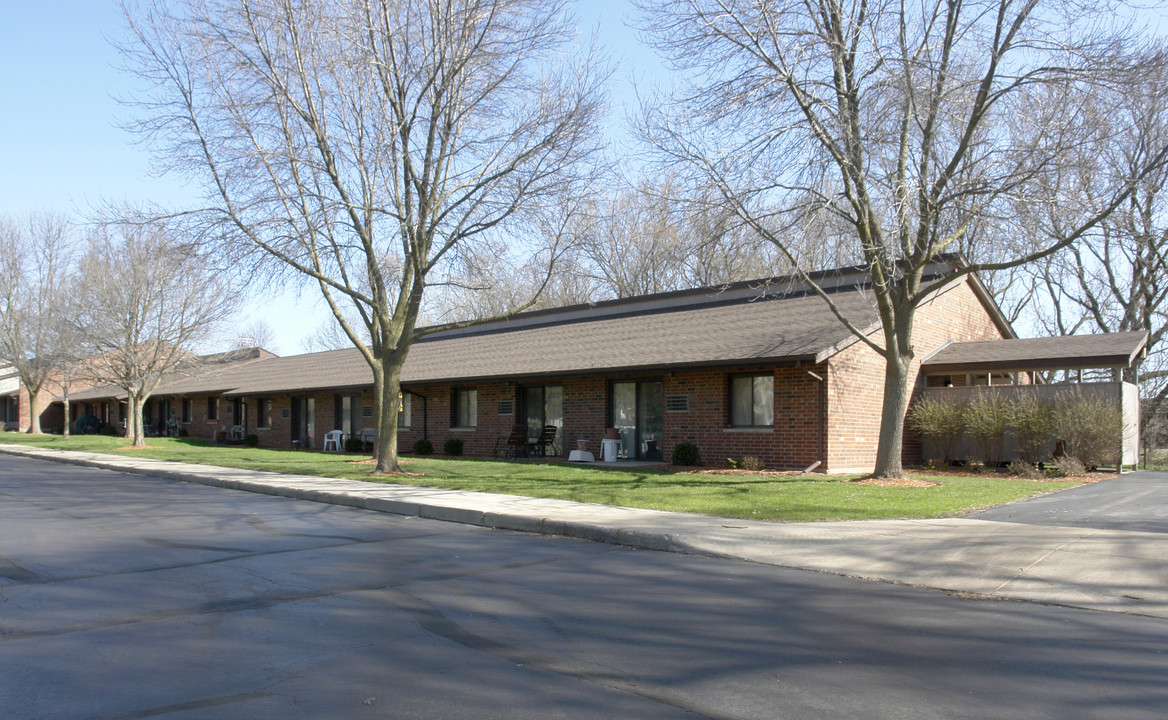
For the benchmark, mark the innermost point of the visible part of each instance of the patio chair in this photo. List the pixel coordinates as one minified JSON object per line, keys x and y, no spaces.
{"x":368,"y":438}
{"x":547,"y":439}
{"x":514,"y":445}
{"x":237,"y":432}
{"x":332,"y":438}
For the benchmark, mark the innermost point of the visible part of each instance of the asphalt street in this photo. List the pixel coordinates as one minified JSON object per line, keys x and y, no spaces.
{"x":130,"y":597}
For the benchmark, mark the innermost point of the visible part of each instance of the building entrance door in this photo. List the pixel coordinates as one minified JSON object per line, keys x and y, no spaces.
{"x":638,"y":412}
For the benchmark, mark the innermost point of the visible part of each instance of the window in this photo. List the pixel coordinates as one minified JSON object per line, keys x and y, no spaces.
{"x":466,"y":407}
{"x":263,"y":412}
{"x":405,"y":409}
{"x":542,"y":405}
{"x":752,"y":401}
{"x":186,"y":410}
{"x":212,"y":408}
{"x":347,"y":412}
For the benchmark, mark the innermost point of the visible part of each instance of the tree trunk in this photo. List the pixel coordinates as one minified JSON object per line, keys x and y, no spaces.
{"x":897,"y":363}
{"x":139,"y":431}
{"x":65,"y":401}
{"x":378,"y":402}
{"x":34,"y":417}
{"x":387,"y":417}
{"x":128,"y":426}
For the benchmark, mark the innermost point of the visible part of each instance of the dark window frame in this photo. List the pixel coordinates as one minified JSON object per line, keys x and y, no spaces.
{"x":458,"y":405}
{"x":263,"y":413}
{"x":730,"y":396}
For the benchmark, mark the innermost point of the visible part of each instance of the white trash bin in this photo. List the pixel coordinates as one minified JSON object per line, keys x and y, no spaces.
{"x":608,"y":449}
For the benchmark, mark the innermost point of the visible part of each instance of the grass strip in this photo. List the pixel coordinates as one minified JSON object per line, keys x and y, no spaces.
{"x":789,"y":498}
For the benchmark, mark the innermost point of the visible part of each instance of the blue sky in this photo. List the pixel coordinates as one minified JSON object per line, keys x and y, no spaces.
{"x":63,"y":149}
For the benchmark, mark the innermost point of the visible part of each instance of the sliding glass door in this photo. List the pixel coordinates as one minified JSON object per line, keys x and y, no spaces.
{"x":638,"y":412}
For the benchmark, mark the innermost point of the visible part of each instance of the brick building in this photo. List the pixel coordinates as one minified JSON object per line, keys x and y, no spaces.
{"x":755,"y":368}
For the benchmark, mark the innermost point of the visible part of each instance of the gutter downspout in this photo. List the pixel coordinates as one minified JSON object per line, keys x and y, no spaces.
{"x":425,"y":424}
{"x":822,"y":417}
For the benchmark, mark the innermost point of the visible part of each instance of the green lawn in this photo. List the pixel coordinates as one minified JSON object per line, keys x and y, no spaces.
{"x":784,"y":498}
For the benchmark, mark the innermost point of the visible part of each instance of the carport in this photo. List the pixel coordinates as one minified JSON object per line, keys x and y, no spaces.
{"x":1106,"y":365}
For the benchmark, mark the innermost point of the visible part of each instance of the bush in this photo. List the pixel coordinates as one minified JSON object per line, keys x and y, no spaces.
{"x":685,"y":454}
{"x":986,"y":418}
{"x":1024,"y":468}
{"x":1033,"y":423}
{"x":251,"y":440}
{"x":354,"y":445}
{"x":940,"y":420}
{"x":86,"y":425}
{"x":452,"y":446}
{"x":1067,"y":466}
{"x":731,"y":464}
{"x":1090,"y":427}
{"x":423,"y":447}
{"x":749,"y":462}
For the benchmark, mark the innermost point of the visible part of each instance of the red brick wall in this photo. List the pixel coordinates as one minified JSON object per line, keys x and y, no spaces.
{"x":856,"y":378}
{"x":792,"y":443}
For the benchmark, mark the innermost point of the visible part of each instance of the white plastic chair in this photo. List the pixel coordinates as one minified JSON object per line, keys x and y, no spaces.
{"x":333,"y":438}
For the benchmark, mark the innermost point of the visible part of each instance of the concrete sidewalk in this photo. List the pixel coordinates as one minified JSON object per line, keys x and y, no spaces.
{"x":1109,"y":570}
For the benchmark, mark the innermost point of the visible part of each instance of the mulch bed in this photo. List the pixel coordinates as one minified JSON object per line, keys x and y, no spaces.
{"x":1090,"y":477}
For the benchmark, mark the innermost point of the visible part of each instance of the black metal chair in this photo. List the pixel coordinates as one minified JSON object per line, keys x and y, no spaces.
{"x":514,"y":445}
{"x":547,"y":439}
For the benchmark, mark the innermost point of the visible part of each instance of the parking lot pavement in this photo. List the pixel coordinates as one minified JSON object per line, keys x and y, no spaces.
{"x":1134,"y":502}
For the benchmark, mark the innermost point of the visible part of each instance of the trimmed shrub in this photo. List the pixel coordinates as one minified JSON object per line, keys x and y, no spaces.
{"x":1033,"y":423}
{"x":1090,"y":427}
{"x":423,"y":447}
{"x":685,"y":453}
{"x":986,"y":418}
{"x":940,"y":420}
{"x":354,"y":445}
{"x":86,"y":425}
{"x":452,"y":446}
{"x":251,"y":440}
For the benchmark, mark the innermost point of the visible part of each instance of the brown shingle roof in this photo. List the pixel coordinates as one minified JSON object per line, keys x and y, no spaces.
{"x":1051,"y":353}
{"x":793,"y":328}
{"x":799,"y":327}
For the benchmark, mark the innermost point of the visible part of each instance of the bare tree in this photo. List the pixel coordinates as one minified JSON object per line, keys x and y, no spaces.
{"x":147,"y":300}
{"x":360,"y":143}
{"x":35,"y":256}
{"x":892,"y":128}
{"x":257,"y":333}
{"x":1116,"y":278}
{"x":485,"y":280}
{"x":329,"y":336}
